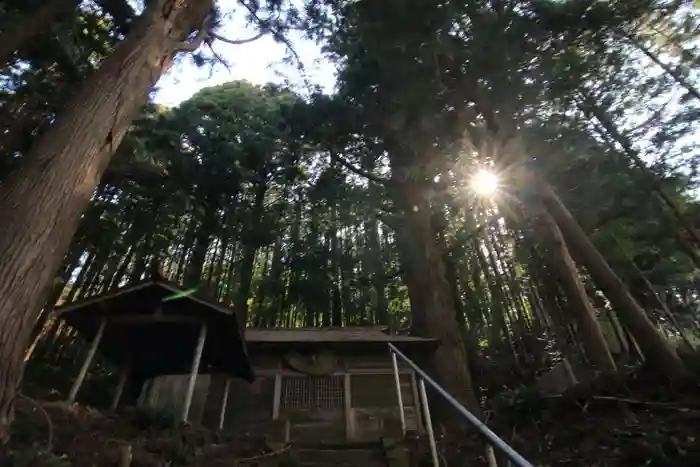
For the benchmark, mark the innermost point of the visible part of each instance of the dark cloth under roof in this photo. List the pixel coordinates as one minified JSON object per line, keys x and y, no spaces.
{"x":161,"y":335}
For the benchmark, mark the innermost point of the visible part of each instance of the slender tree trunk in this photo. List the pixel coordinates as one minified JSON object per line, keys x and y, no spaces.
{"x":351,"y":316}
{"x":121,"y":270}
{"x":608,"y":125}
{"x":378,"y":275}
{"x":671,"y":71}
{"x":336,"y":302}
{"x":657,"y":351}
{"x":590,"y":334}
{"x":194,"y":270}
{"x":274,"y":285}
{"x":42,"y":201}
{"x":654,"y":296}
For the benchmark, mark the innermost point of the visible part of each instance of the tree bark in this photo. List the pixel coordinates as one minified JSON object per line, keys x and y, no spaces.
{"x":42,"y":202}
{"x":658,"y":352}
{"x":336,"y":302}
{"x":249,"y":251}
{"x":432,"y":308}
{"x":202,"y":239}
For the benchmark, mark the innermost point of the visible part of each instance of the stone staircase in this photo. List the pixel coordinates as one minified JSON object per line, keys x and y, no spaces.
{"x":340,"y":455}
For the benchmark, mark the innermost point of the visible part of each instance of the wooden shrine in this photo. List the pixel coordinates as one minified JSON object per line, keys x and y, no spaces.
{"x":153,"y":328}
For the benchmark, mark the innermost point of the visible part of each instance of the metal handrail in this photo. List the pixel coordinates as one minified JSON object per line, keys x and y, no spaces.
{"x":492,"y":438}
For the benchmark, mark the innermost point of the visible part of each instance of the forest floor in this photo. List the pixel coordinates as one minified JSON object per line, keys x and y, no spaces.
{"x":632,"y":420}
{"x":58,"y":434}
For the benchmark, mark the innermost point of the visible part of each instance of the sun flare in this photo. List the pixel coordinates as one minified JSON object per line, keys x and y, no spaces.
{"x":484,"y":183}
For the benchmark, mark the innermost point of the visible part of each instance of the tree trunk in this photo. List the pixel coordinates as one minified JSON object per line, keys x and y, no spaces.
{"x":592,"y":109}
{"x":589,"y":332}
{"x":657,"y":351}
{"x":336,"y":302}
{"x":42,"y":202}
{"x":432,"y":308}
{"x":202,"y":238}
{"x":671,"y":71}
{"x":249,"y":251}
{"x":374,"y":247}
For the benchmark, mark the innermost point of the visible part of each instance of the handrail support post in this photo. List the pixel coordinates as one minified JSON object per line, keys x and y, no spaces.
{"x":493,"y":440}
{"x":399,"y":396}
{"x":428,"y":423}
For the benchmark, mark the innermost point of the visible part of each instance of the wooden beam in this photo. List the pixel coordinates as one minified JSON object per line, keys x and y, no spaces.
{"x":224,"y":402}
{"x":123,"y":376}
{"x":86,"y":364}
{"x":195,"y":370}
{"x":277,"y":397}
{"x":153,"y":318}
{"x":349,"y":415}
{"x":416,"y":401}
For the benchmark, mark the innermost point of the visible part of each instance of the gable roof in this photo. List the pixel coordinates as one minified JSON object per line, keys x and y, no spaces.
{"x":161,"y":334}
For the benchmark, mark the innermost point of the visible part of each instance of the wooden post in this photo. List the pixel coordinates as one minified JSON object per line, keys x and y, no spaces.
{"x":399,"y":396}
{"x":224,"y":402}
{"x":123,"y":376}
{"x":349,"y":416}
{"x":88,"y":360}
{"x":416,"y":401}
{"x":428,"y":423}
{"x":491,"y":456}
{"x":195,"y":369}
{"x":277,"y":397}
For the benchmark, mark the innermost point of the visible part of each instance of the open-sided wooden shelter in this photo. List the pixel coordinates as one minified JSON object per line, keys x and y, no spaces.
{"x":153,"y":328}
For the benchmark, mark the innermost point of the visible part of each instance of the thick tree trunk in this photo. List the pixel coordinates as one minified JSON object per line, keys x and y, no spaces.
{"x":589,"y":332}
{"x":249,"y":251}
{"x":195,"y":268}
{"x":657,"y":351}
{"x":42,"y":202}
{"x":432,"y":308}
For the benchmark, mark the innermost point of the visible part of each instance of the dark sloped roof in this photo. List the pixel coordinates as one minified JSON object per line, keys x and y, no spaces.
{"x":161,"y":335}
{"x":358,"y":337}
{"x":349,"y":334}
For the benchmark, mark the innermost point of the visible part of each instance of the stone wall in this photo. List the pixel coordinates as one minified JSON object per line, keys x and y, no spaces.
{"x":167,"y":393}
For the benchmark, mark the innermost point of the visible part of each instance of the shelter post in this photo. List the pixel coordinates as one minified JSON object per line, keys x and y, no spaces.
{"x":224,"y":402}
{"x":195,"y":369}
{"x":88,"y":360}
{"x":123,"y":376}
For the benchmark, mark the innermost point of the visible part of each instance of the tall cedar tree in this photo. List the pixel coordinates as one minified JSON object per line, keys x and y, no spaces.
{"x":43,"y":201}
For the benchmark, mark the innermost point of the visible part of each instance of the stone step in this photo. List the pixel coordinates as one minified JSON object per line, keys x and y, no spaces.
{"x":339,"y":457}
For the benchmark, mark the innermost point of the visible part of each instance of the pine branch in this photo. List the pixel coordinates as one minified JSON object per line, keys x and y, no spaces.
{"x":218,"y":57}
{"x":237,"y":41}
{"x":201,"y":36}
{"x":335,"y":157}
{"x":265,"y":25}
